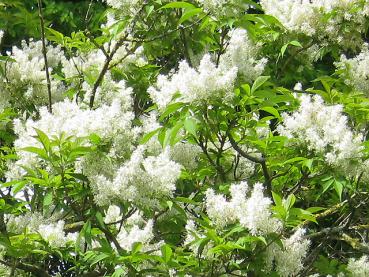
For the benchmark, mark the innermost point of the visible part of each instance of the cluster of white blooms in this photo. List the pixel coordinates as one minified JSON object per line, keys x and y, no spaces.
{"x":288,"y":261}
{"x":69,"y":119}
{"x":50,"y":230}
{"x":30,"y":221}
{"x":221,"y":8}
{"x":133,"y":234}
{"x":185,"y":154}
{"x":1,"y":35}
{"x":338,"y":20}
{"x":54,"y":234}
{"x":242,"y":53}
{"x":140,"y":180}
{"x":323,"y":129}
{"x":93,"y":61}
{"x":127,"y":7}
{"x":355,"y":71}
{"x":25,"y":74}
{"x":112,"y":214}
{"x":253,"y":213}
{"x":360,"y":267}
{"x":209,"y":80}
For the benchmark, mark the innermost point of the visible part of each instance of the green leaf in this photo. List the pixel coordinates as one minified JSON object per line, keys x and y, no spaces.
{"x":294,"y":43}
{"x":98,"y":258}
{"x":171,"y":109}
{"x":190,"y":126}
{"x":186,"y":200}
{"x":166,"y":252}
{"x":48,"y":199}
{"x":136,"y":247}
{"x":148,"y":136}
{"x":7,"y":59}
{"x":39,"y":151}
{"x":170,"y":205}
{"x":173,"y":133}
{"x":259,"y":82}
{"x":19,"y":186}
{"x":272,"y":111}
{"x":277,"y":199}
{"x":173,"y":5}
{"x":338,"y":186}
{"x":100,"y":219}
{"x":188,"y":14}
{"x":289,"y":202}
{"x":43,"y":138}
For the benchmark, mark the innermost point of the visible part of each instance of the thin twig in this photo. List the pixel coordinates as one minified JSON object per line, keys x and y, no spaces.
{"x":45,"y":54}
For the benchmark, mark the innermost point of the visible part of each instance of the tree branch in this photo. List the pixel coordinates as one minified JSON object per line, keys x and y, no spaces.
{"x":45,"y":54}
{"x":35,"y":270}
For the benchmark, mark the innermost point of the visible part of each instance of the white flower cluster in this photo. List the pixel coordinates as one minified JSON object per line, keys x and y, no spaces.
{"x":140,"y":180}
{"x":253,"y":213}
{"x":338,"y":20}
{"x":54,"y":234}
{"x":1,"y":35}
{"x":112,"y":214}
{"x":30,"y":221}
{"x":210,"y":81}
{"x":242,"y":53}
{"x":127,"y":7}
{"x":322,"y":129}
{"x":25,"y":75}
{"x":93,"y":61}
{"x":288,"y":261}
{"x":360,"y":267}
{"x":69,"y":119}
{"x":355,"y":71}
{"x":221,"y":8}
{"x":127,"y":238}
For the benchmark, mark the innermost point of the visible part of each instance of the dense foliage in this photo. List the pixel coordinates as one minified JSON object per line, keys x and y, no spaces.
{"x":193,"y":138}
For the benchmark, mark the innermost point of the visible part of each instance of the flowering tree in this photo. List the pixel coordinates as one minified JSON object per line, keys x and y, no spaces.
{"x":193,"y":138}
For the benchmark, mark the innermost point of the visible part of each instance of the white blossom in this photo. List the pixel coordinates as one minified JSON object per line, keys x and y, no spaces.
{"x":141,"y":180}
{"x":253,"y":213}
{"x":112,"y":214}
{"x":127,"y":238}
{"x":210,"y":80}
{"x":70,"y":120}
{"x":289,"y":260}
{"x":359,"y":267}
{"x":323,"y":130}
{"x":355,"y":71}
{"x":26,"y":77}
{"x":207,"y":82}
{"x":221,"y":8}
{"x":243,"y":54}
{"x":127,"y":7}
{"x":54,"y":234}
{"x":322,"y":18}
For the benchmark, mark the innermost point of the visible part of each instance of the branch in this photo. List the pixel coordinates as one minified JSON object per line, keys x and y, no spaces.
{"x":354,"y":243}
{"x":35,"y":270}
{"x":260,"y":161}
{"x":109,"y":58}
{"x":243,"y":153}
{"x":45,"y":54}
